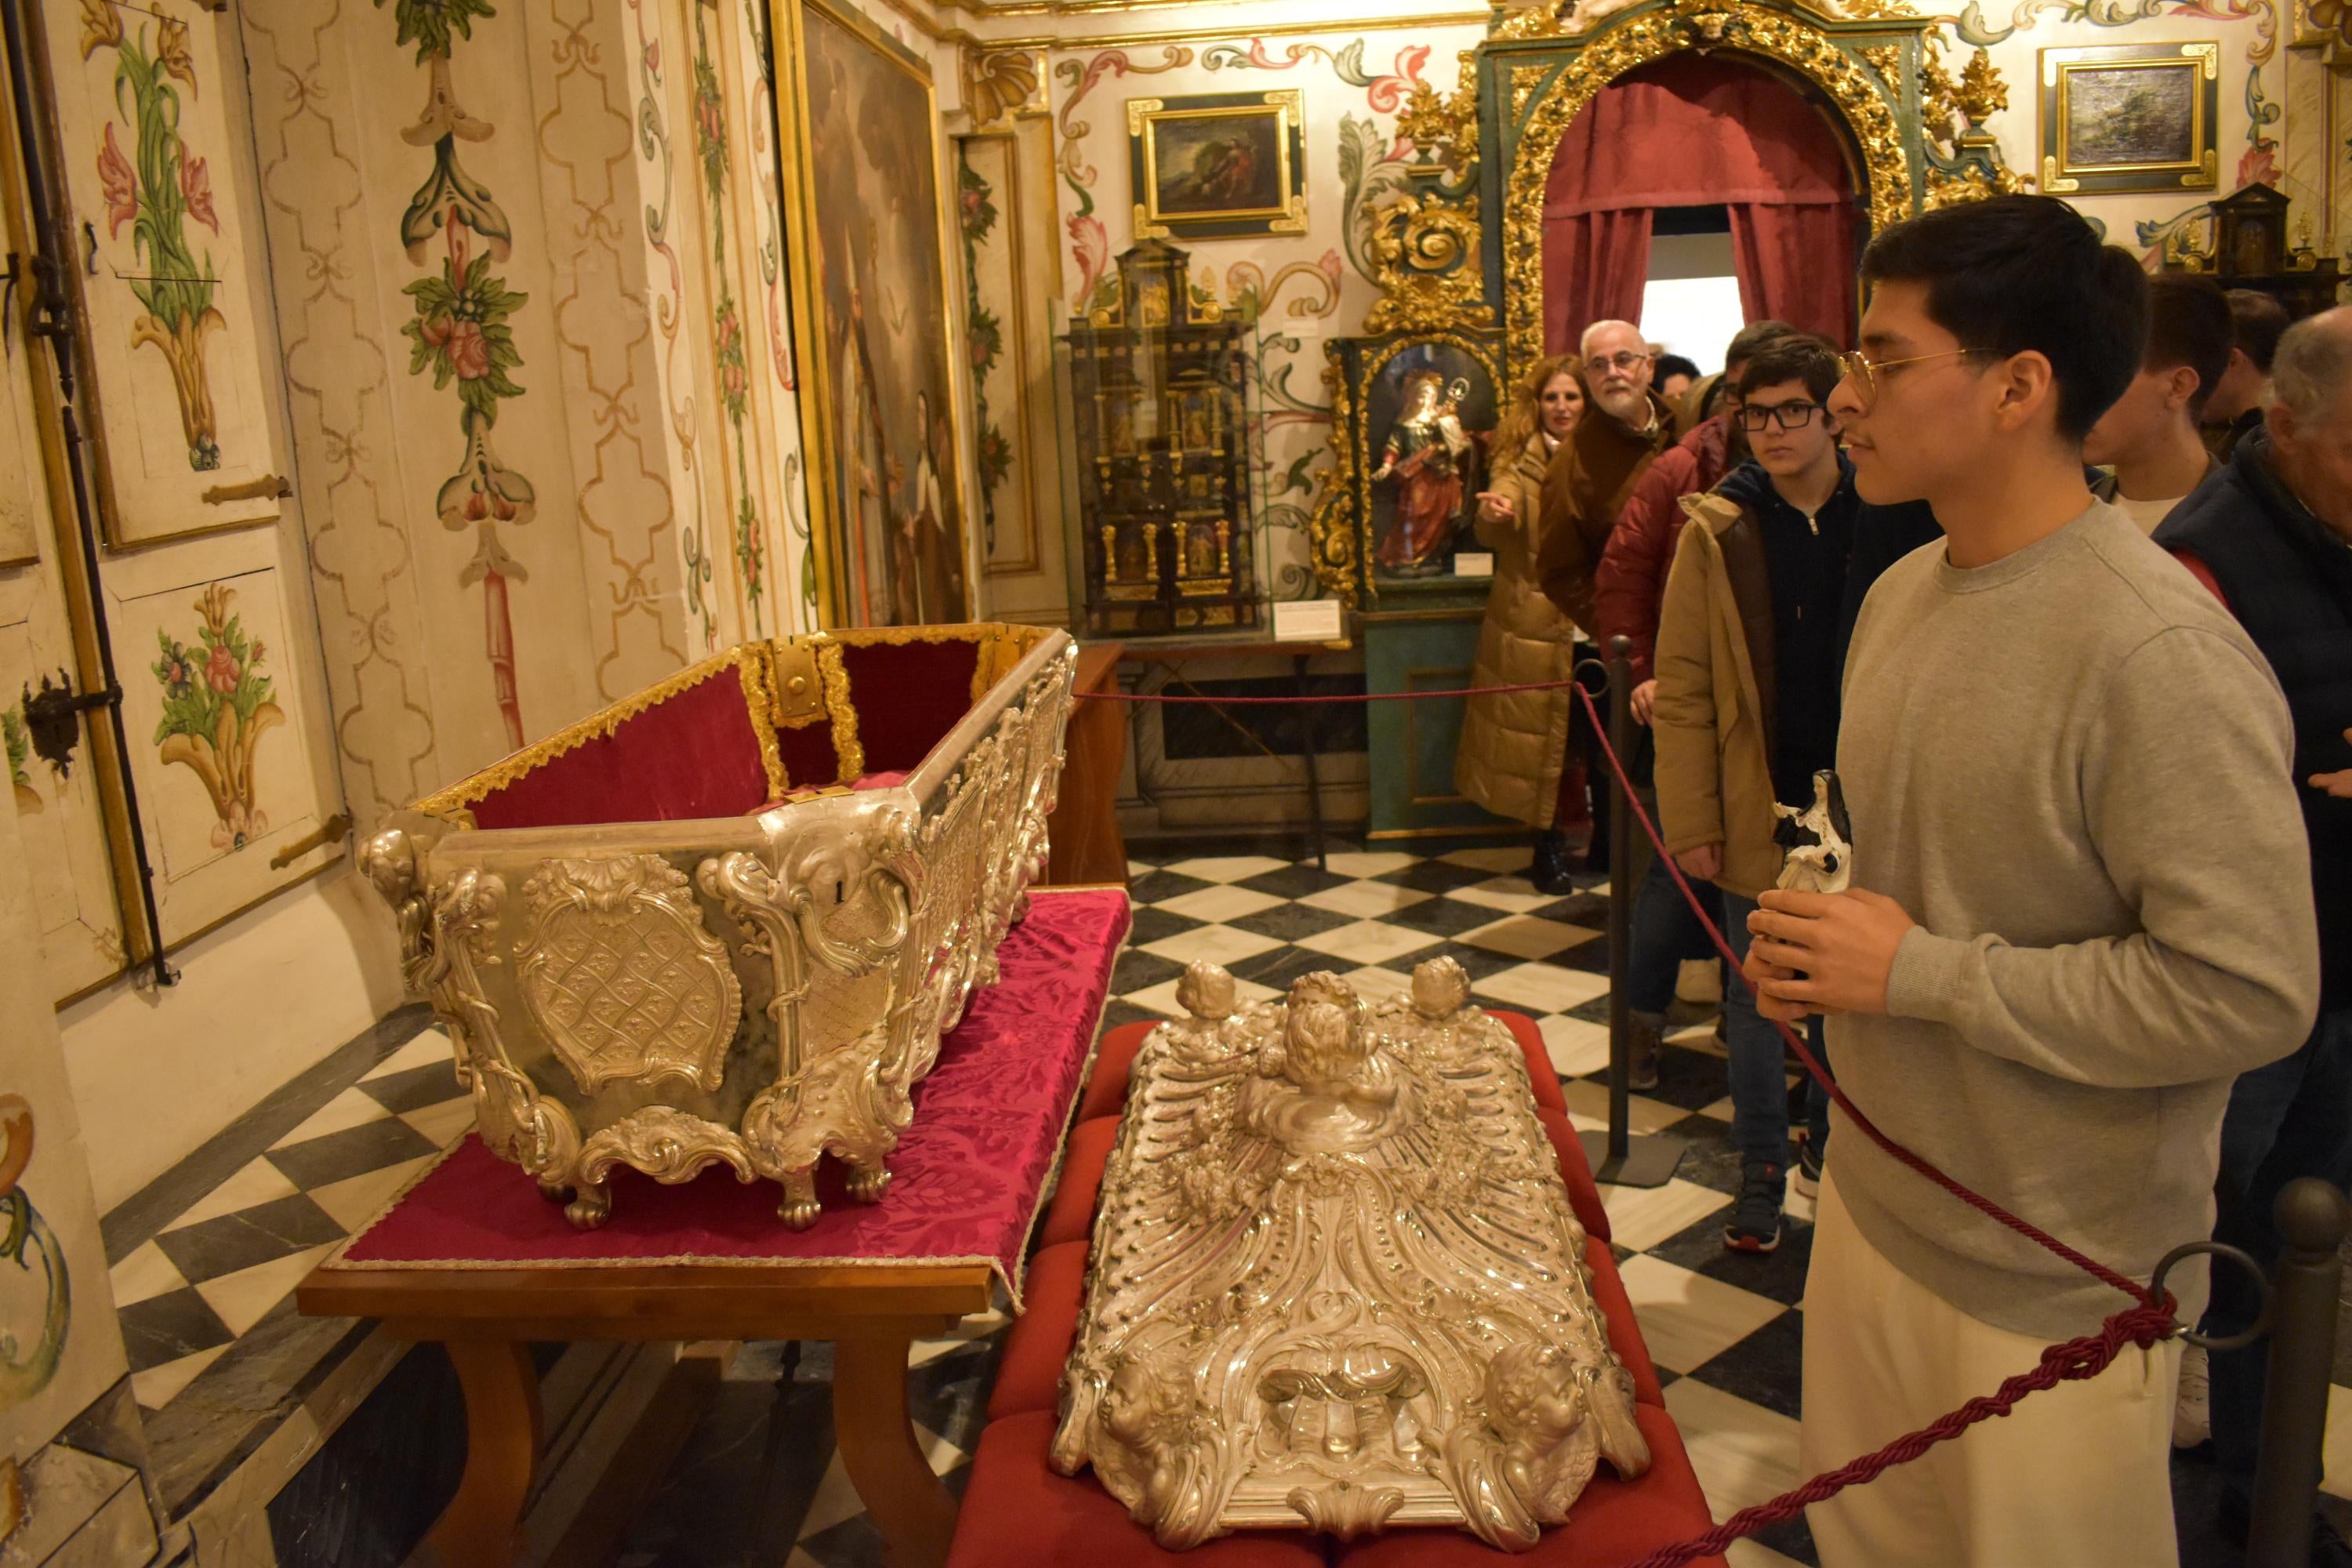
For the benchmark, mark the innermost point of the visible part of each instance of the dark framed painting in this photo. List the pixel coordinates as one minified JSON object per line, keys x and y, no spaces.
{"x":2130,"y":117}
{"x":1426,"y":409}
{"x":1218,"y":165}
{"x":868,"y":265}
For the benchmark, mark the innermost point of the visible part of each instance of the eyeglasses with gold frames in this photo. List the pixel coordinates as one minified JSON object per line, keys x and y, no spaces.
{"x":1864,"y":373}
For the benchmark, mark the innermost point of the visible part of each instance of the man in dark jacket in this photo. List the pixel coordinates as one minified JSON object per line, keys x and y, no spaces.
{"x":2235,"y":409}
{"x":2271,"y":535}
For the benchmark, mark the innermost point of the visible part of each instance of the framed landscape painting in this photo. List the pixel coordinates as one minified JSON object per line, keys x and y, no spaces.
{"x":1218,"y":165}
{"x":2129,"y":117}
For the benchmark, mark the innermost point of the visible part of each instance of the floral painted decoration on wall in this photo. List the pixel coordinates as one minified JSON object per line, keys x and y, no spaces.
{"x":460,"y":329}
{"x":216,"y":704}
{"x":733,"y":362}
{"x":158,"y":195}
{"x":983,"y":338}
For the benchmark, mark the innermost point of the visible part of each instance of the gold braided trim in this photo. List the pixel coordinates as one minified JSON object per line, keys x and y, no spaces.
{"x":849,"y":753}
{"x":760,"y":696}
{"x":747,"y":659}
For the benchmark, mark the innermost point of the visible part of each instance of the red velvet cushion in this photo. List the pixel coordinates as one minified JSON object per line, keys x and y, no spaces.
{"x":1071,"y":1215}
{"x":1624,"y":1331}
{"x":1583,"y":1195}
{"x":1613,"y":1523}
{"x":907,"y":696}
{"x":1107,"y":1079}
{"x":1541,"y":1075}
{"x":692,"y":755}
{"x":1017,"y":1513}
{"x":1029,"y":1374}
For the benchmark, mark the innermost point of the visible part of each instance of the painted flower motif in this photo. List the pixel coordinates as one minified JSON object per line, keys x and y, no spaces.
{"x":172,"y":52}
{"x":221,"y":670}
{"x":178,"y":674}
{"x":119,"y":185}
{"x":102,"y":26}
{"x":196,"y":190}
{"x":2258,"y":165}
{"x":468,"y":350}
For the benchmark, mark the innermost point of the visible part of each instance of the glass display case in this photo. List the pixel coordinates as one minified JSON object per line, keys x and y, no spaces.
{"x":1162,"y":438}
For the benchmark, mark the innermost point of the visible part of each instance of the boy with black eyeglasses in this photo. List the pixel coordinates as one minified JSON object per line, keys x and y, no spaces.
{"x":1750,"y":640}
{"x":2081,"y":907}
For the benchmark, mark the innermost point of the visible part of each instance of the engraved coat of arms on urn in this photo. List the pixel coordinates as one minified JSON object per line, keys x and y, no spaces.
{"x":1337,"y":1282}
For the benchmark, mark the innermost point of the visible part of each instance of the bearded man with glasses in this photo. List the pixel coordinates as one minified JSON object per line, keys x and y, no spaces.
{"x":1750,"y":644}
{"x":2081,"y":908}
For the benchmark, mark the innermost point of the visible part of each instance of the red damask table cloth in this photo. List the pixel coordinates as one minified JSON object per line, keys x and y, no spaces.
{"x":969,"y":1177}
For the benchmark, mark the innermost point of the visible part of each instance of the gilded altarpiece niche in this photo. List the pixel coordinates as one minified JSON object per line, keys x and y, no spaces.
{"x":169,"y":340}
{"x":1161,"y":439}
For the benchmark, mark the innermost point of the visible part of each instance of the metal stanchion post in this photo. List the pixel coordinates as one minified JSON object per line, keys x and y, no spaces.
{"x":2311,"y":1218}
{"x":1618,"y":1157}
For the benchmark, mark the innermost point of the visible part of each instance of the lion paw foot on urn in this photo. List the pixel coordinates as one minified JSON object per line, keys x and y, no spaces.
{"x":800,"y":1208}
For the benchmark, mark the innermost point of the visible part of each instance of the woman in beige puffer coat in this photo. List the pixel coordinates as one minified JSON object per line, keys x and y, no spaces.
{"x":1509,"y":757}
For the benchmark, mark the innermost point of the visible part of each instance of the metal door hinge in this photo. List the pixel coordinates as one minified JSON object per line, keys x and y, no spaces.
{"x":52,"y":717}
{"x":331,"y":831}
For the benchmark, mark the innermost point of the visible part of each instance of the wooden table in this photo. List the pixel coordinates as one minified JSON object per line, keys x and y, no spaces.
{"x":1087,"y":845}
{"x":488,"y":1318}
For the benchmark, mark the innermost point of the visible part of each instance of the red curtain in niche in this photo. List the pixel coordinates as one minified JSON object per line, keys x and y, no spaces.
{"x":1796,"y":264}
{"x":1702,"y":131}
{"x":1594,"y":265}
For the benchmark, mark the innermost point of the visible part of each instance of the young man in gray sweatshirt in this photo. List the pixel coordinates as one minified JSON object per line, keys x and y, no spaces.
{"x":2081,"y":908}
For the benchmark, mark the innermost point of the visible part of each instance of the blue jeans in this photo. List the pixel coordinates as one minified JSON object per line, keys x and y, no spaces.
{"x":1664,"y":933}
{"x":1760,"y":1093}
{"x":2292,"y":1117}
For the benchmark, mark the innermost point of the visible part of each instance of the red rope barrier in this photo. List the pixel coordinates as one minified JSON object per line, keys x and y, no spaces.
{"x":1337,"y":696}
{"x":2141,"y":1324}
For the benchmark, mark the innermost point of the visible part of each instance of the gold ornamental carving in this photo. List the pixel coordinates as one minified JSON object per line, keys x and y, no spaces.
{"x":1298,"y":1315}
{"x":1748,"y":25}
{"x":1330,"y":525}
{"x":619,"y":974}
{"x":997,"y":83}
{"x":758,"y":990}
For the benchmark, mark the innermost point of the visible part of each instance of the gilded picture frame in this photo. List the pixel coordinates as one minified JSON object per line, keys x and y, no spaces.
{"x":1218,"y":165}
{"x":866,"y":237}
{"x":2130,"y":117}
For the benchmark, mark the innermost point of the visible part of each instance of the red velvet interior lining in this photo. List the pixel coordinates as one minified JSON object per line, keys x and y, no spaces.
{"x":693,"y":754}
{"x":810,"y":762}
{"x":909,"y":696}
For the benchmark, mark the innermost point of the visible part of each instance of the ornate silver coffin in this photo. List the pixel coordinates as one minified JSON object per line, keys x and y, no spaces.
{"x":1336,"y":1280}
{"x":713,"y":925}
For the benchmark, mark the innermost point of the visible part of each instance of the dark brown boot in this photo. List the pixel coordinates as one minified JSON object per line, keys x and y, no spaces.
{"x":1643,"y":1031}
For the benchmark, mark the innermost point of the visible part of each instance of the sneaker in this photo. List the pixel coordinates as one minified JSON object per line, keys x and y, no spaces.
{"x":1645,"y":1030}
{"x":1755,"y":1222}
{"x":1808,"y":1180}
{"x":2192,"y":1410}
{"x":1700,"y":981}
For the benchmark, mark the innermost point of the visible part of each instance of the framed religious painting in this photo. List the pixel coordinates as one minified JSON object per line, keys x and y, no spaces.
{"x":870,"y":307}
{"x":2130,"y":117}
{"x":1420,"y":415}
{"x":1218,"y":165}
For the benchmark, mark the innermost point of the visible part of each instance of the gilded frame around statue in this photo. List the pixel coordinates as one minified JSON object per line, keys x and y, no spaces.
{"x":1359,"y":365}
{"x":844,"y":477}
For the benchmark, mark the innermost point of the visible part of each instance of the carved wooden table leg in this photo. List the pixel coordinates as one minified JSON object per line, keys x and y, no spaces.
{"x":481,"y":1526}
{"x":914,"y":1511}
